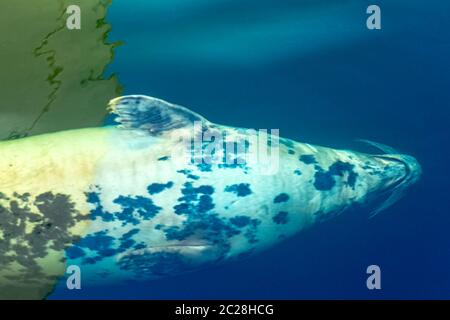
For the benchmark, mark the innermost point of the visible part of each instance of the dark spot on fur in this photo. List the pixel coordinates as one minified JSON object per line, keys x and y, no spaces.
{"x":241,"y":190}
{"x":324,"y":180}
{"x":282,"y":197}
{"x":155,"y":188}
{"x":307,"y":159}
{"x":281,"y":217}
{"x":29,"y":236}
{"x":240,"y":221}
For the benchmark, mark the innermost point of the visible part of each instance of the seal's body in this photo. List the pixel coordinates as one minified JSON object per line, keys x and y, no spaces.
{"x":121,"y":204}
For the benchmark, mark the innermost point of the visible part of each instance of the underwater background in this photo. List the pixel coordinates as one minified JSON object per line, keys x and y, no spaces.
{"x":313,"y":70}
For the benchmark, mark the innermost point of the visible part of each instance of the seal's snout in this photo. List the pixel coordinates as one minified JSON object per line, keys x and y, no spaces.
{"x":413,"y":167}
{"x":406,"y":169}
{"x":400,"y":169}
{"x":398,"y":172}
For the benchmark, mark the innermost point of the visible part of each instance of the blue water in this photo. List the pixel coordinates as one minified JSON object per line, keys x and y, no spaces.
{"x":313,"y":70}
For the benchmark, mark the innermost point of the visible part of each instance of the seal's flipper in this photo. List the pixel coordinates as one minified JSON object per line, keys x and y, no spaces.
{"x":151,"y":115}
{"x":167,"y":260}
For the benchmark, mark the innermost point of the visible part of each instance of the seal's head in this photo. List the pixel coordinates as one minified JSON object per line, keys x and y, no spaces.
{"x":399,"y":172}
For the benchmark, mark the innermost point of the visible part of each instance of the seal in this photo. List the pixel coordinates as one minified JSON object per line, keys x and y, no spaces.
{"x":163,"y":191}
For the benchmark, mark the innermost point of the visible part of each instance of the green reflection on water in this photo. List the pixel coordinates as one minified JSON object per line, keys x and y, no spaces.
{"x":51,"y":77}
